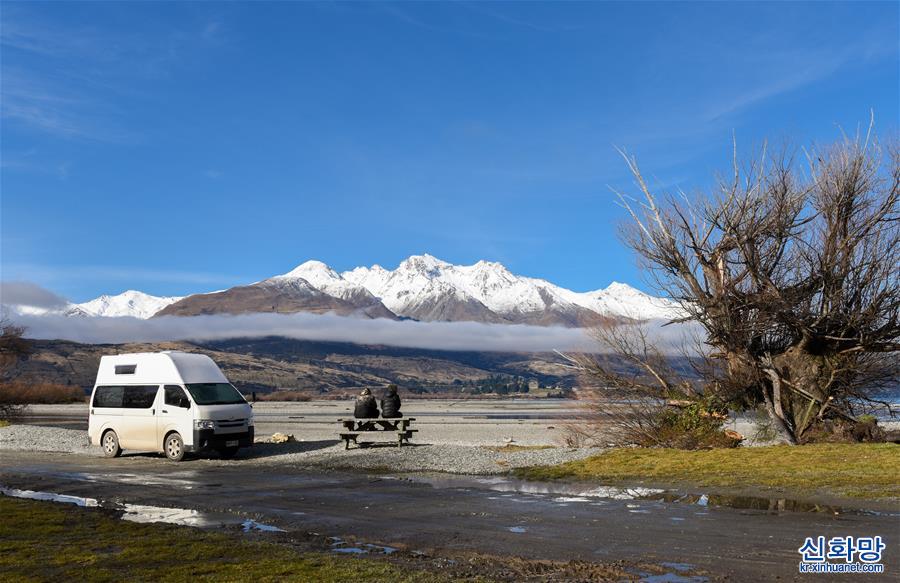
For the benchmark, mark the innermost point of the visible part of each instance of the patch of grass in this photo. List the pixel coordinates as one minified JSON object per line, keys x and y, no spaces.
{"x":4,"y":423}
{"x":857,"y":470}
{"x":512,"y":447}
{"x":41,"y":541}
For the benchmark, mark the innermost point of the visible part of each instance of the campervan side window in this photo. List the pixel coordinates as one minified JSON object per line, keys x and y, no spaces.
{"x":140,"y":397}
{"x":108,"y":396}
{"x":175,"y":396}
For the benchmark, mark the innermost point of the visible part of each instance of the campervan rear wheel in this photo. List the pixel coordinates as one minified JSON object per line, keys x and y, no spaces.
{"x":174,"y":447}
{"x":110,"y":444}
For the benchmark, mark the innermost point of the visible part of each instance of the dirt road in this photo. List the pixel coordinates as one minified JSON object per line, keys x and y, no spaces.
{"x":490,"y":515}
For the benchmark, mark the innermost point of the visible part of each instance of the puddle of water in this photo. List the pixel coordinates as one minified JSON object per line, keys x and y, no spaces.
{"x":678,"y":566}
{"x":576,"y":492}
{"x":673,"y":578}
{"x":675,"y":575}
{"x":185,"y":479}
{"x":517,"y":529}
{"x":349,"y":550}
{"x":145,"y":514}
{"x":338,"y":545}
{"x":183,"y":516}
{"x":768,"y":505}
{"x":565,"y":493}
{"x":49,"y":497}
{"x":381,"y":549}
{"x":249,"y":525}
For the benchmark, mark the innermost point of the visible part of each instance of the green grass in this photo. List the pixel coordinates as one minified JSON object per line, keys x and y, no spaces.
{"x":41,"y":541}
{"x":851,"y":470}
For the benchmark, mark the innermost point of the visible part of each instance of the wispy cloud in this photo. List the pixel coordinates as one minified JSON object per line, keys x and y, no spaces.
{"x":785,"y":71}
{"x":64,"y":80}
{"x":68,"y":273}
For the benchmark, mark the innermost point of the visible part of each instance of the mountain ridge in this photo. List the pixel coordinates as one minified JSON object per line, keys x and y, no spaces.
{"x":422,"y":287}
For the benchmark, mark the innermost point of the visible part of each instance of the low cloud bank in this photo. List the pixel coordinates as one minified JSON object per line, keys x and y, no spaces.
{"x":426,"y":335}
{"x":25,"y":293}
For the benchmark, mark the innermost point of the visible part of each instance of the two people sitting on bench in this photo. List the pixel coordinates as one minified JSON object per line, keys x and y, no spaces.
{"x":366,"y":408}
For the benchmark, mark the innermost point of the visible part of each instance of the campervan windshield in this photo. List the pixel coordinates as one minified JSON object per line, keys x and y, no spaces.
{"x":214,"y":394}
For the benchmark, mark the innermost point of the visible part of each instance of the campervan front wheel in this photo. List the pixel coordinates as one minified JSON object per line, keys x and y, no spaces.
{"x":110,"y":444}
{"x":174,"y":447}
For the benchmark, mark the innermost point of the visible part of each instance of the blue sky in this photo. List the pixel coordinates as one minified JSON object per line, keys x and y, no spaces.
{"x":179,"y":147}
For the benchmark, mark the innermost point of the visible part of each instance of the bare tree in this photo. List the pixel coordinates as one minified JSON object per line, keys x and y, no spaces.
{"x":636,"y":393}
{"x":792,"y":275}
{"x":13,"y":347}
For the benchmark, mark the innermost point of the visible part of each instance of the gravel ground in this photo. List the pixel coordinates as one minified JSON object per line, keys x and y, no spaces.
{"x":35,"y":438}
{"x":326,"y":454}
{"x":455,"y":459}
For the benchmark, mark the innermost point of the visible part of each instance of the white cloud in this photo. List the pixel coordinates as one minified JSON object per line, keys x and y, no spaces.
{"x":25,"y":293}
{"x":425,"y":335}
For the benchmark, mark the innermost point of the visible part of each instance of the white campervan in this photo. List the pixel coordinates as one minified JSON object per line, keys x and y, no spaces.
{"x":170,"y":402}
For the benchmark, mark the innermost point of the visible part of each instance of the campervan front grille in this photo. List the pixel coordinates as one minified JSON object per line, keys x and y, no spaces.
{"x":235,"y":423}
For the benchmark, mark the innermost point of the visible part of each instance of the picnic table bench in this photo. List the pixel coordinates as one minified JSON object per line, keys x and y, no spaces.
{"x":353,"y":428}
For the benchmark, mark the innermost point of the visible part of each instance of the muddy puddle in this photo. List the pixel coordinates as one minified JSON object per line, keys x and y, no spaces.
{"x":574,"y":493}
{"x":143,"y":513}
{"x":340,"y":546}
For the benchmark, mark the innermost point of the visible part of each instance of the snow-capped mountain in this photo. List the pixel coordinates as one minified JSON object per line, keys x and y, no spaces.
{"x":622,"y":299}
{"x":311,"y":287}
{"x":130,"y":303}
{"x":422,"y":287}
{"x":426,"y":288}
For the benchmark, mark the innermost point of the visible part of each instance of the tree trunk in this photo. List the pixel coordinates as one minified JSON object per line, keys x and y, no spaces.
{"x":775,"y":409}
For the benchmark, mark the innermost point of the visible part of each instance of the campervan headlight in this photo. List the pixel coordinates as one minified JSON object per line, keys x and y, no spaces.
{"x":204,"y":424}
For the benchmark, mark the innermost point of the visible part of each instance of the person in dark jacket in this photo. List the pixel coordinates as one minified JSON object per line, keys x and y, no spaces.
{"x":390,"y":403}
{"x":366,"y":407}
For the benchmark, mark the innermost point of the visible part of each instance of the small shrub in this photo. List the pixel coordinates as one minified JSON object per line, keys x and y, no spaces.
{"x":578,"y":435}
{"x":297,"y":396}
{"x":19,"y":394}
{"x":696,"y":425}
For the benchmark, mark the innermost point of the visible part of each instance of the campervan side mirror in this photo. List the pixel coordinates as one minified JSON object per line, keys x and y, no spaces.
{"x":184,"y":403}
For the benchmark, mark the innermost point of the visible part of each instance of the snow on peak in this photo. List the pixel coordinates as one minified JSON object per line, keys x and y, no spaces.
{"x":425,"y":264}
{"x":315,"y":272}
{"x":323,"y":278}
{"x":131,"y":303}
{"x":622,"y":299}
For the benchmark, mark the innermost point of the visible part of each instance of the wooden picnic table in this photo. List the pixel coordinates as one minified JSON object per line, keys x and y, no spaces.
{"x":353,"y":428}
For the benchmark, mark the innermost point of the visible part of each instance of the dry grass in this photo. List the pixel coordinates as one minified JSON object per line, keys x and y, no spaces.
{"x":859,"y":470}
{"x":25,"y":393}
